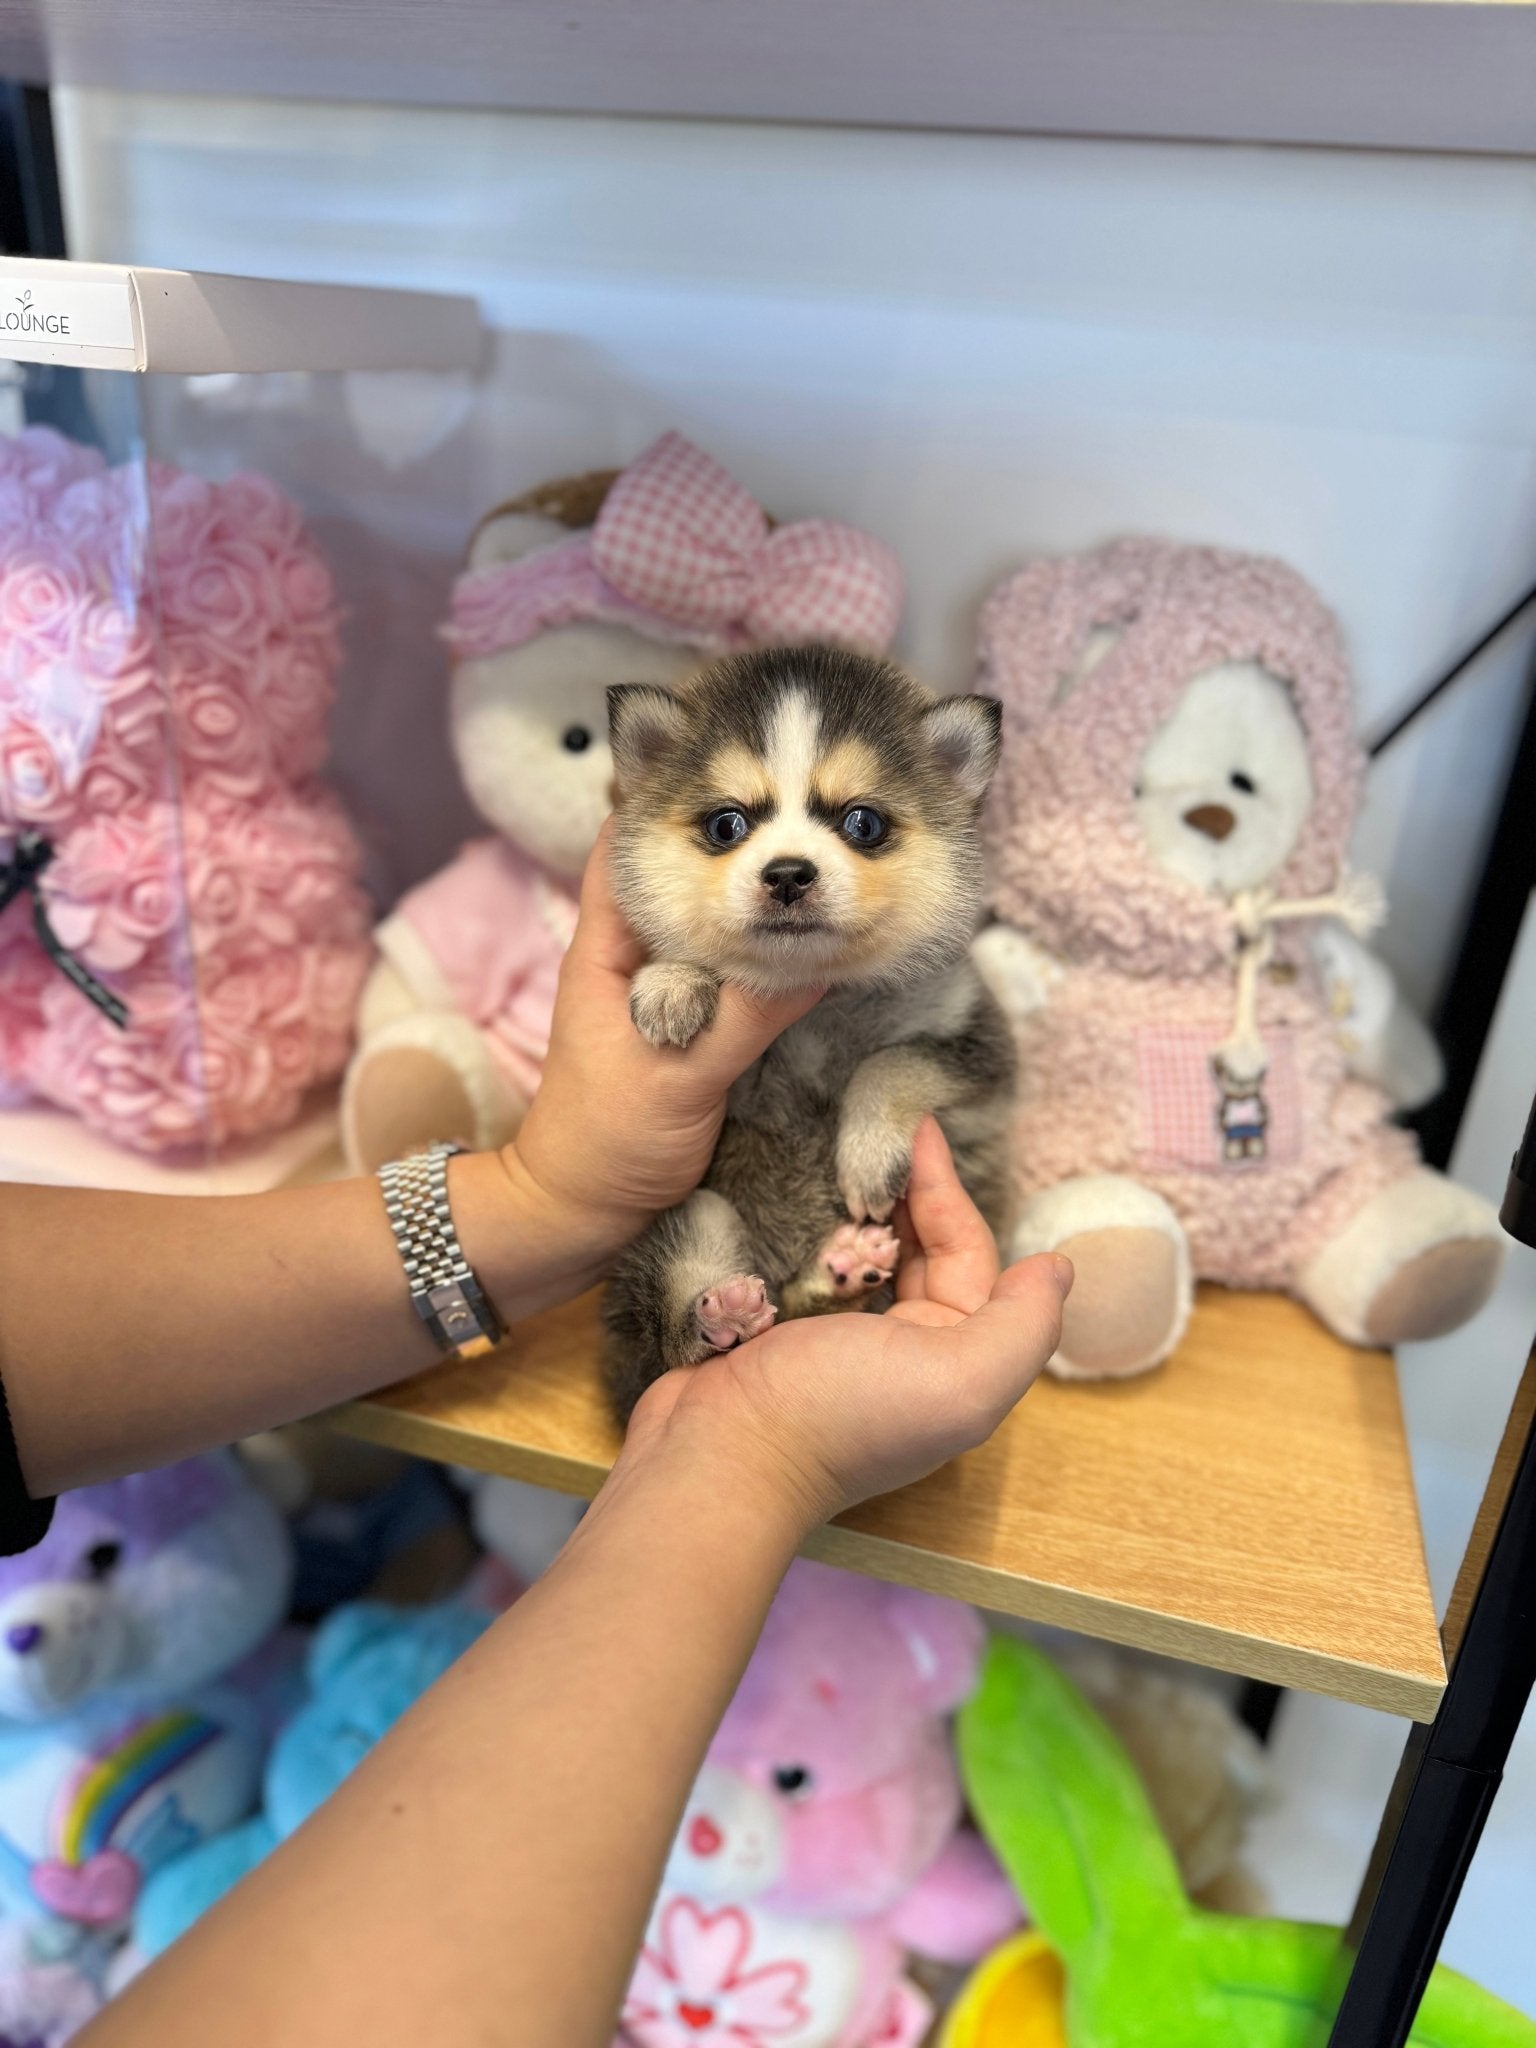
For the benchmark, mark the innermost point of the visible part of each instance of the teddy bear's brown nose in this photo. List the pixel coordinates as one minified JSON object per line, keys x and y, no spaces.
{"x":1214,"y":820}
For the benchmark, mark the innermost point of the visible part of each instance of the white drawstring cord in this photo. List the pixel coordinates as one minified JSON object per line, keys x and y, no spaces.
{"x":1357,"y":902}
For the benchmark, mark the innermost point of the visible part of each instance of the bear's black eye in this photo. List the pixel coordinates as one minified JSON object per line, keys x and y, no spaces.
{"x":1241,"y":781}
{"x":576,"y":739}
{"x":865,"y":827}
{"x":791,"y":1779}
{"x":101,"y":1560}
{"x":726,"y":828}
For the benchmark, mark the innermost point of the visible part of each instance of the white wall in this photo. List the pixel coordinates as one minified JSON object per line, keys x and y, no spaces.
{"x":982,"y":346}
{"x":979,"y":345}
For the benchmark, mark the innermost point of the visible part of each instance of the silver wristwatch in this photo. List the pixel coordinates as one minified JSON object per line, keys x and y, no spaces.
{"x":444,"y":1292}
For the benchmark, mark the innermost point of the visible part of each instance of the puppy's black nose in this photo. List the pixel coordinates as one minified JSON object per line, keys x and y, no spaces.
{"x":788,"y":878}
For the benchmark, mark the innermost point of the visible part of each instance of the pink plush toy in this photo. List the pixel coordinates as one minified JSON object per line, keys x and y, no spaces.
{"x":822,"y":1840}
{"x":197,"y":937}
{"x":1208,"y":1055}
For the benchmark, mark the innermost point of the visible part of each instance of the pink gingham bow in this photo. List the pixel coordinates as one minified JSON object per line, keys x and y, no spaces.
{"x":682,"y":552}
{"x":679,"y":536}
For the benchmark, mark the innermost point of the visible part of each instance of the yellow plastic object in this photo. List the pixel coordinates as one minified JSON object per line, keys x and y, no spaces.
{"x":1012,"y":2000}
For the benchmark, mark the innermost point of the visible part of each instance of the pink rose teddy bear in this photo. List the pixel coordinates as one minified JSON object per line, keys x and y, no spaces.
{"x":634,"y":577}
{"x":197,"y":935}
{"x":822,"y":1839}
{"x":1208,"y":1054}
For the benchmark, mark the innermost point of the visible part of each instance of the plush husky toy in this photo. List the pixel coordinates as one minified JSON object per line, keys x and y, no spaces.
{"x":787,"y":818}
{"x":1208,"y":1055}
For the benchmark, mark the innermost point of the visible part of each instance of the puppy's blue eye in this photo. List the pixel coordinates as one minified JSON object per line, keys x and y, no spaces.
{"x":864,"y":826}
{"x":725,"y":828}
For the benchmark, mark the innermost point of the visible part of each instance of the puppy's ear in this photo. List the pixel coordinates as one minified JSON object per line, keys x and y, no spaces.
{"x":966,"y":733}
{"x":508,"y":536}
{"x":644,"y":723}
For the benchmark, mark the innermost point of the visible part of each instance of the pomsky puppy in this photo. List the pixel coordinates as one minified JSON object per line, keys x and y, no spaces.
{"x":784,"y":818}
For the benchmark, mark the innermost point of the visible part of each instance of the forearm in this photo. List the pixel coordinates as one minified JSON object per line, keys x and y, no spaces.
{"x":138,"y":1328}
{"x":486,"y":1873}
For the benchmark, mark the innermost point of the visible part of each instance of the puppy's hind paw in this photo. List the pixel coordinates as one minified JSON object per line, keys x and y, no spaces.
{"x":737,"y":1309}
{"x":859,"y":1257}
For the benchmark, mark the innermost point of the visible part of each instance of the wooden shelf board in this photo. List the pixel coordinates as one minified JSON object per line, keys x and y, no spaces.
{"x":1248,"y":1507}
{"x":1409,"y":74}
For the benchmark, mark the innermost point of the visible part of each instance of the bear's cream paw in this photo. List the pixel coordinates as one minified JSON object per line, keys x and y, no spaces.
{"x":426,"y":1078}
{"x":672,"y":1003}
{"x":1435,"y":1292}
{"x":1131,"y":1290}
{"x":1124,"y":1314}
{"x":1418,"y":1259}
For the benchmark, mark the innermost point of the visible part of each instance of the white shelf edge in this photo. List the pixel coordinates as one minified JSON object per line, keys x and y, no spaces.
{"x":119,"y":316}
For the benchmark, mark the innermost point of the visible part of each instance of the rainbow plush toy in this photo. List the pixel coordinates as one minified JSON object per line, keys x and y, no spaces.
{"x":139,"y":1670}
{"x":1119,"y":1957}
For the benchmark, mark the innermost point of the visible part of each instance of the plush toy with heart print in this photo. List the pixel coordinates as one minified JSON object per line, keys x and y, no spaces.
{"x":823,"y":1839}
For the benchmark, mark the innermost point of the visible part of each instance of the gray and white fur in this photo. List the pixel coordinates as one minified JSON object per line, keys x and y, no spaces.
{"x":786,"y":818}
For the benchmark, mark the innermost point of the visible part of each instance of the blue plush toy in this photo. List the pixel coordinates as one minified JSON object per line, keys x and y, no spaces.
{"x":367,"y":1665}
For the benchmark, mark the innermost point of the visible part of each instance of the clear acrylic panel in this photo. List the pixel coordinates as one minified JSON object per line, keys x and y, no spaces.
{"x":196,"y":573}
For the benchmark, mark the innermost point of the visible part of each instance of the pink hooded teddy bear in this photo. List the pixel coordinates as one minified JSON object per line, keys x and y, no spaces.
{"x":822,"y":1839}
{"x":1208,"y":1056}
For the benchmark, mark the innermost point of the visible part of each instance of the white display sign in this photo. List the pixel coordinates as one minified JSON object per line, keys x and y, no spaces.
{"x":199,"y":323}
{"x":65,"y":313}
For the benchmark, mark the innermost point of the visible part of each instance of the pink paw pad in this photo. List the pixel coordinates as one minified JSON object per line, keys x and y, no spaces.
{"x":860,"y":1257}
{"x":737,"y":1309}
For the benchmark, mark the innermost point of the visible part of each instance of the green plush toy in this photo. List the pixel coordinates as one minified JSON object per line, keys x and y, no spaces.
{"x":1062,"y":1806}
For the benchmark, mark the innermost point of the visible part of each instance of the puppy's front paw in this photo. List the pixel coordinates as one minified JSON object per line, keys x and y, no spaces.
{"x":874,"y":1164}
{"x":859,"y":1257}
{"x":737,"y":1309}
{"x":671,"y":1003}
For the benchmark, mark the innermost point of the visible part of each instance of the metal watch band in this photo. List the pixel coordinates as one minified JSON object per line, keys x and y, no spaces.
{"x":444,"y":1292}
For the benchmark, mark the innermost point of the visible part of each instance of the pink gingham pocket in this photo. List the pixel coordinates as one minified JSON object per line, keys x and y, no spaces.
{"x":1179,"y":1101}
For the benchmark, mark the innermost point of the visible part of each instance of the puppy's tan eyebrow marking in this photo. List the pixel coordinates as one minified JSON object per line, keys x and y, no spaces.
{"x":739,"y":776}
{"x":849,"y":771}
